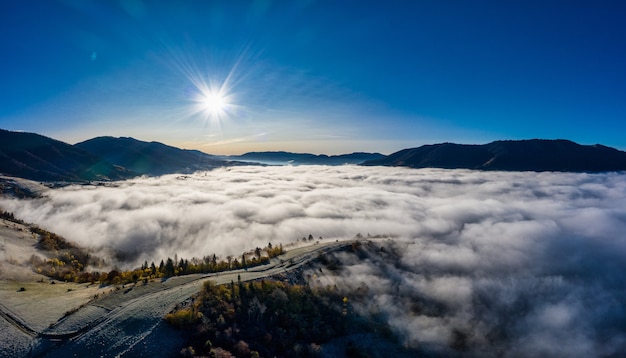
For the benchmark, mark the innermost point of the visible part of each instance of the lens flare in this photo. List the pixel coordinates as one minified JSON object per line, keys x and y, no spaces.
{"x":214,"y":104}
{"x":211,"y":91}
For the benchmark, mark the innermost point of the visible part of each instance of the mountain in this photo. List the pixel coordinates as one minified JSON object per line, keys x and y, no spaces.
{"x":33,"y":156}
{"x":522,"y":155}
{"x":283,"y":158}
{"x":151,"y":158}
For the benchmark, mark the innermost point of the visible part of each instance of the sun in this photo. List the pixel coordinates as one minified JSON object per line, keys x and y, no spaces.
{"x":210,"y":95}
{"x":213,"y":103}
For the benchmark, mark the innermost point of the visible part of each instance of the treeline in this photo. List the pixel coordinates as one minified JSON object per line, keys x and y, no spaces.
{"x":263,"y":319}
{"x":70,"y":267}
{"x":70,"y":262}
{"x":10,"y":217}
{"x":208,"y":264}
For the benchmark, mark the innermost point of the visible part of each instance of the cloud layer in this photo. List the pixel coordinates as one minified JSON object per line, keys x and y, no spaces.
{"x":231,"y":209}
{"x":520,"y":264}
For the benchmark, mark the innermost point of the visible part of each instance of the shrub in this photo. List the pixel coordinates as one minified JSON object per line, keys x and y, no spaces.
{"x":183,"y":318}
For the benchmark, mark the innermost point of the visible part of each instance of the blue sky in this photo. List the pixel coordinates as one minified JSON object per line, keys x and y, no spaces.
{"x":315,"y":76}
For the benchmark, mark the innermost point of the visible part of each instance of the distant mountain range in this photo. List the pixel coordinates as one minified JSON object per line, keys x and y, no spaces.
{"x":287,"y":158}
{"x":149,"y":158}
{"x":522,"y":155}
{"x":33,"y":156}
{"x":36,"y":157}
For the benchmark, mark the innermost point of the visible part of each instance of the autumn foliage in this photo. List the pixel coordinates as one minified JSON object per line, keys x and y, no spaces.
{"x":71,"y":263}
{"x":264,"y":318}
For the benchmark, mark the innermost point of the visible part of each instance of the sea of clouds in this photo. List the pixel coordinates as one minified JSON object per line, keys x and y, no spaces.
{"x":517,"y":263}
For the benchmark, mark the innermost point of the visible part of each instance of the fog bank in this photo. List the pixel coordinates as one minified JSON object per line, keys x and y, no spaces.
{"x":229,"y":210}
{"x":488,"y":263}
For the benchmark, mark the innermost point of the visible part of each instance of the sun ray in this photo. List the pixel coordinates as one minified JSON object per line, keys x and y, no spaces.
{"x":211,"y":91}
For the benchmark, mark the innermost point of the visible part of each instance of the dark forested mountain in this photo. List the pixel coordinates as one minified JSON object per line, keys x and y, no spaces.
{"x":33,"y":156}
{"x":282,"y":158}
{"x":523,"y":155}
{"x":151,"y":158}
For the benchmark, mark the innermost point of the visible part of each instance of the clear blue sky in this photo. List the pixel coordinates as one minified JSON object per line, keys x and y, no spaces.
{"x":315,"y":76}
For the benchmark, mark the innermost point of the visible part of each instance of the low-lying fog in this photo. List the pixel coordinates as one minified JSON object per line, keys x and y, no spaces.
{"x":540,"y":255}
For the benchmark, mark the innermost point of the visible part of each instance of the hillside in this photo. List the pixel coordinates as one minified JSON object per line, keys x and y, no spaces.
{"x":33,"y":156}
{"x":523,"y":155}
{"x":283,"y":158}
{"x":151,"y":158}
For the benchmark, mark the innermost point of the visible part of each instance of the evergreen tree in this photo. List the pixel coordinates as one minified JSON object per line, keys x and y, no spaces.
{"x":169,"y":269}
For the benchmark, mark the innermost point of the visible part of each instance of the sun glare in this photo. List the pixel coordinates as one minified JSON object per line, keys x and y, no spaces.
{"x":214,"y":103}
{"x":211,"y":94}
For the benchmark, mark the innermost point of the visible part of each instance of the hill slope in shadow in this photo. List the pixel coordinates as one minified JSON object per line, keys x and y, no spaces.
{"x":36,"y":157}
{"x":151,"y":158}
{"x":522,"y":155}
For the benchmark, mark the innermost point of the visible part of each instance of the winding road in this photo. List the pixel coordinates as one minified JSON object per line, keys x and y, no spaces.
{"x":129,"y":322}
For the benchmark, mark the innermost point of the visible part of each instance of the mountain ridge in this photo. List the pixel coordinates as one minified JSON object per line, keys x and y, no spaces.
{"x":283,"y":157}
{"x":36,"y":157}
{"x":149,"y":158}
{"x":510,"y":155}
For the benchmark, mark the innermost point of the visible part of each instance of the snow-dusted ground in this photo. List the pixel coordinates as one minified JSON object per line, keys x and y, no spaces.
{"x":135,"y":326}
{"x":13,"y":342}
{"x":122,"y":322}
{"x":24,"y":186}
{"x":17,"y":245}
{"x":40,"y":303}
{"x":30,"y":298}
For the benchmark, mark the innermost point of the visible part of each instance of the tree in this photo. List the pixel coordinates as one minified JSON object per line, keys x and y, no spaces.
{"x":112,"y":276}
{"x":235,"y":265}
{"x":242,"y":349}
{"x":214,"y":263}
{"x":169,"y":269}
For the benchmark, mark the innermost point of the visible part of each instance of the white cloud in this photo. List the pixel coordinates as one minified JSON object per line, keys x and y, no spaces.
{"x":521,"y":264}
{"x":227,"y":210}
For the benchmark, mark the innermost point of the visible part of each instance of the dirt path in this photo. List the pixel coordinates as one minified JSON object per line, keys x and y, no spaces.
{"x":129,"y":322}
